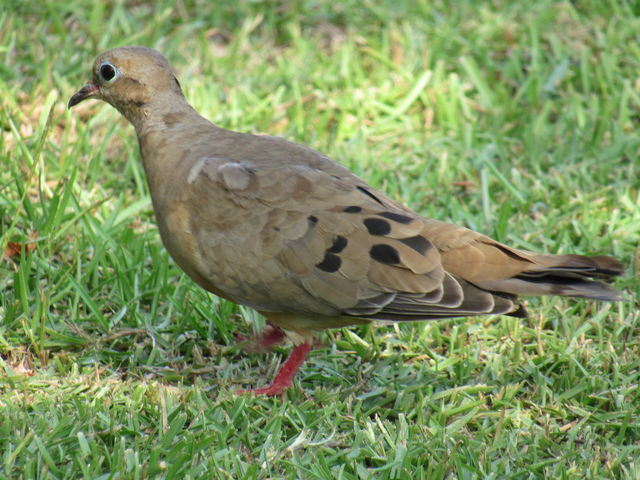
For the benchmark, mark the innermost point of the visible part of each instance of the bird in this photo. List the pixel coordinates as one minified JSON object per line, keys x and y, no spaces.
{"x":296,"y":236}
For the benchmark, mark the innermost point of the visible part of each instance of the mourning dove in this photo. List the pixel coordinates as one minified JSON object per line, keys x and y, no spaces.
{"x":289,"y":232}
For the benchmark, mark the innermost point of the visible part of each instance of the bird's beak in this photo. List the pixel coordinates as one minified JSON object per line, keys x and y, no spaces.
{"x":88,"y":91}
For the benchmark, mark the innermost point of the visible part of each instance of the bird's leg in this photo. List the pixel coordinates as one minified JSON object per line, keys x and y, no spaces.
{"x":264,"y":342}
{"x":271,"y":336}
{"x":284,"y":377}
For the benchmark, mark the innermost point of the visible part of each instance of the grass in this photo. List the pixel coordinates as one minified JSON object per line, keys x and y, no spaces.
{"x":516,"y":119}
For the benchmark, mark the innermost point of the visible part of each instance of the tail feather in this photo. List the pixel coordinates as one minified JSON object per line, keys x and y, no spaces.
{"x":601,"y":265}
{"x":554,"y":285}
{"x":564,"y":275}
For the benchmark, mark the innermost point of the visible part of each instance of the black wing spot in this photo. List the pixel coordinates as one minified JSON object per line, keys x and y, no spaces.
{"x":370,"y":195}
{"x":353,"y":209}
{"x":418,"y":243}
{"x":312,"y":219}
{"x":377,"y":226}
{"x":384,"y":253}
{"x":339,"y":244}
{"x":330,"y":263}
{"x":396,"y":217}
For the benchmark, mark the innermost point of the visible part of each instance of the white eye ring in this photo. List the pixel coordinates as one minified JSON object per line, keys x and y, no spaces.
{"x":108,"y":72}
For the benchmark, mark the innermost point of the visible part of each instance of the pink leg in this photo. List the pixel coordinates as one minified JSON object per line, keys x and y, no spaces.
{"x":284,"y":377}
{"x":271,"y":336}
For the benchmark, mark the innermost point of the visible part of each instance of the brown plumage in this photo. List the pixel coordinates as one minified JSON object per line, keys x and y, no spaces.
{"x":289,"y":232}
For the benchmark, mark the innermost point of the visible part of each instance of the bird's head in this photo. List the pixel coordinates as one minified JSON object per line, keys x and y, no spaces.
{"x":129,"y":78}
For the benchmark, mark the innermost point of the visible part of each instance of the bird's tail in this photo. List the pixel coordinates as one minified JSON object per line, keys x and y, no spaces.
{"x":566,"y":275}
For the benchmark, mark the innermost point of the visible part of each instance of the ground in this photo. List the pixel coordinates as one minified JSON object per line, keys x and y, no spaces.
{"x":517,"y":119}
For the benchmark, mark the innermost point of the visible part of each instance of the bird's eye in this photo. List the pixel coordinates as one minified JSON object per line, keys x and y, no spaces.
{"x":108,"y":72}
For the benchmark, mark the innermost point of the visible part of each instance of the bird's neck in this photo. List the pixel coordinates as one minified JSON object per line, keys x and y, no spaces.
{"x":165,"y":133}
{"x":162,"y":113}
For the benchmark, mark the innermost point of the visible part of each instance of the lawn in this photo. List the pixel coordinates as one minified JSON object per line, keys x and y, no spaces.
{"x":516,"y":119}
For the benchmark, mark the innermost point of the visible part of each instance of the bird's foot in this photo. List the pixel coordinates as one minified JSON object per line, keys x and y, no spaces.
{"x":284,"y":377}
{"x":272,"y":390}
